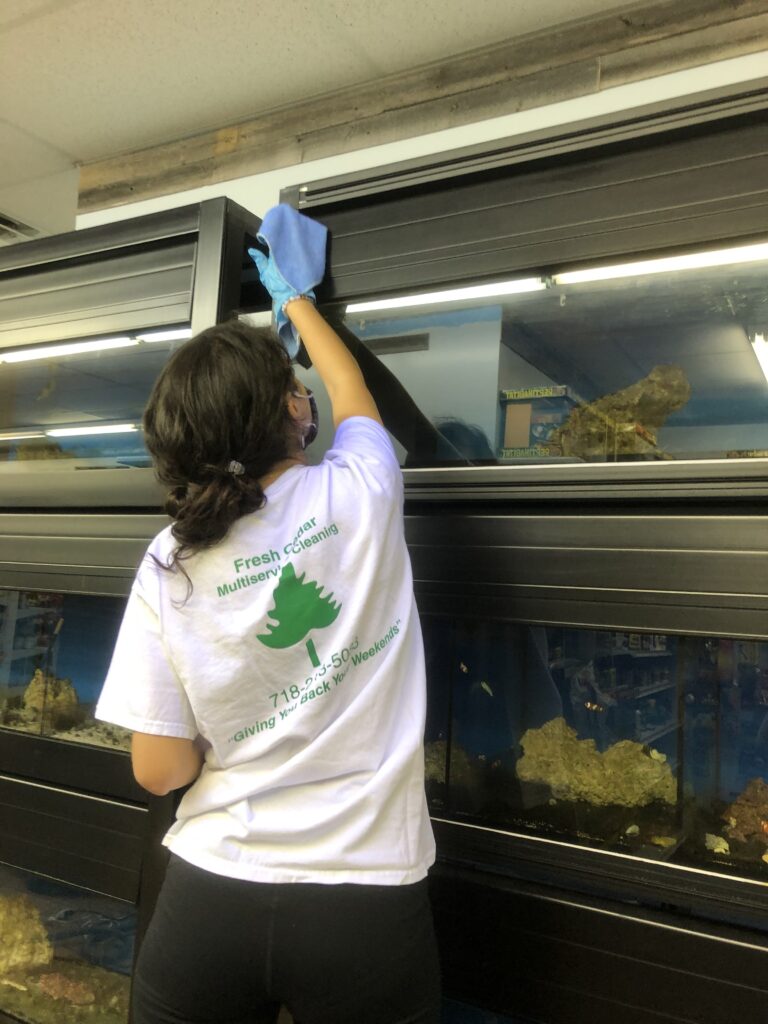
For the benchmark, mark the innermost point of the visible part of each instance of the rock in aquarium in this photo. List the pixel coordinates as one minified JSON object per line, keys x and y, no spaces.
{"x":624,"y":422}
{"x":627,"y":774}
{"x":48,"y":694}
{"x":23,"y":939}
{"x":747,"y":816}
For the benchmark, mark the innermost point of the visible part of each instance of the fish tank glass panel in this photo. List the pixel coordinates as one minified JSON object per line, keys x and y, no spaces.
{"x":454,"y":1012}
{"x":65,"y":953}
{"x":642,"y":744}
{"x":78,"y":404}
{"x":55,"y":651}
{"x":659,"y":360}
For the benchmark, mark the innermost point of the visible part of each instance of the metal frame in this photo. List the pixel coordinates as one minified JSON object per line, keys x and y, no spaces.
{"x":152,"y":227}
{"x":593,"y":482}
{"x":708,"y":895}
{"x":665,"y":115}
{"x":357,"y":198}
{"x":74,"y":553}
{"x":550,"y":954}
{"x":221,"y":230}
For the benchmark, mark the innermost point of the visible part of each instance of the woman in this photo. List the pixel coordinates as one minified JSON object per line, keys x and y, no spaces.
{"x":271,"y":656}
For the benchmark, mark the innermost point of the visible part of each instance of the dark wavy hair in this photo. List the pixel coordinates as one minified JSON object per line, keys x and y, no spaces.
{"x":220,"y":397}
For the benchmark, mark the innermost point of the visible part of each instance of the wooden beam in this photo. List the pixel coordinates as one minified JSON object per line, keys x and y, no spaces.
{"x":546,"y":67}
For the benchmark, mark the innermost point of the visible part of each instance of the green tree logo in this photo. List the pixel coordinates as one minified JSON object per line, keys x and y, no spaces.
{"x":299,"y":607}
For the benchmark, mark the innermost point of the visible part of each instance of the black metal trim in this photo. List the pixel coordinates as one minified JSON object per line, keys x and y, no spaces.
{"x":556,"y":894}
{"x":84,"y":840}
{"x":544,"y":954}
{"x":595,"y":481}
{"x":603,"y":875}
{"x":95,"y":770}
{"x":151,"y":227}
{"x":224,"y":226}
{"x":665,"y":115}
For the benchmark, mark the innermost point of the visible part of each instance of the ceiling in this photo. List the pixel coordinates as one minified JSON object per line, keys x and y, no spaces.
{"x":82,"y":80}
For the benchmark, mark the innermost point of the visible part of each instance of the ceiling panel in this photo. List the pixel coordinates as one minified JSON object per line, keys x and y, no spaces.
{"x":18,"y":12}
{"x":25,"y":158}
{"x":96,"y":77}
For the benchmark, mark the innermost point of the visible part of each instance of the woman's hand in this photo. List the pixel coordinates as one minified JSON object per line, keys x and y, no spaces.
{"x":296,"y":263}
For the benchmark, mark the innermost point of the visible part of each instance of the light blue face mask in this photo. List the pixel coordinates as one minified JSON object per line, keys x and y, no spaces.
{"x":311,"y":431}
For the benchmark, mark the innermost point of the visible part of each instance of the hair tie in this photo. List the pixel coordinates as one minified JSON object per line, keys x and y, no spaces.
{"x":236,"y":468}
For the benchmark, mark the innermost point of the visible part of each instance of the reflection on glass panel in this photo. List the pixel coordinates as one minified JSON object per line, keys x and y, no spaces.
{"x":78,"y":405}
{"x":652,"y":361}
{"x":55,"y":650}
{"x":66,"y":953}
{"x":650,"y":745}
{"x":454,"y":1012}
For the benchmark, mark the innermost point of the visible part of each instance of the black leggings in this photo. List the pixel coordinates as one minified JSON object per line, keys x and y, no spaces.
{"x":223,"y":951}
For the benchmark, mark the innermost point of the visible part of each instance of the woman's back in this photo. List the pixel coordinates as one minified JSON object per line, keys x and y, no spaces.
{"x":270,"y":658}
{"x":297,"y":656}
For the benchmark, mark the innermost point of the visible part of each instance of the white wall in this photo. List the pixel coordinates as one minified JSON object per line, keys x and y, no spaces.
{"x":47,"y":203}
{"x":260,"y":191}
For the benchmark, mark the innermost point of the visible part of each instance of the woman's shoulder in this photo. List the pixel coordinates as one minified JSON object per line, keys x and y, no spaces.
{"x":162,"y":544}
{"x":365,"y":438}
{"x":155,"y":563}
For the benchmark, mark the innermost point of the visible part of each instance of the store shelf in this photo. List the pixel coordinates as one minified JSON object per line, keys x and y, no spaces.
{"x":28,"y":613}
{"x":655,"y":734}
{"x":40,"y":619}
{"x":646,"y":691}
{"x":621,"y":651}
{"x":30,"y":653}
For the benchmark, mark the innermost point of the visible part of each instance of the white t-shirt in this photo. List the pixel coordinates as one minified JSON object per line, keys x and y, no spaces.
{"x":298,"y":659}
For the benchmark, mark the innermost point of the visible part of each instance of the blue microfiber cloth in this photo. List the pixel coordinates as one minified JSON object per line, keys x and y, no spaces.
{"x":297,"y":246}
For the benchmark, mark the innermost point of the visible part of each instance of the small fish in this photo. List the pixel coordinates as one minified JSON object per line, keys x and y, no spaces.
{"x":463,"y":667}
{"x":485,"y":686}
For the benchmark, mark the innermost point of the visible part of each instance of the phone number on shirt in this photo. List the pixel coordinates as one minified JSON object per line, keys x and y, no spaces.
{"x":339,"y":660}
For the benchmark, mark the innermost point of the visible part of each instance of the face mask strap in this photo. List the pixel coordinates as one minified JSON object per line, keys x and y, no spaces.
{"x":311,"y":432}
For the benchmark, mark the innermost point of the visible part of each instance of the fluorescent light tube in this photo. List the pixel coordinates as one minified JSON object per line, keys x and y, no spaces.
{"x":177,"y":335}
{"x":117,"y":428}
{"x":19,"y":437}
{"x":25,"y":355}
{"x":666,"y":264}
{"x":481,"y":291}
{"x":760,"y":348}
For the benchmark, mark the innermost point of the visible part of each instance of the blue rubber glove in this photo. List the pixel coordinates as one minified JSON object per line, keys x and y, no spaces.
{"x":280,"y":291}
{"x":296,"y":263}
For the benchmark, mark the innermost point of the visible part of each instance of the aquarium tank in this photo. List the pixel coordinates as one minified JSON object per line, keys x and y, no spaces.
{"x":65,"y":953}
{"x":648,"y":745}
{"x":55,"y":650}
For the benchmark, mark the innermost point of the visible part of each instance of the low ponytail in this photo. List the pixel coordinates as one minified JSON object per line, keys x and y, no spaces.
{"x":216,"y":423}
